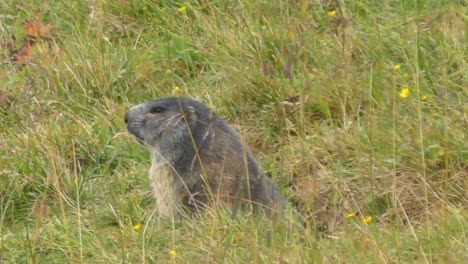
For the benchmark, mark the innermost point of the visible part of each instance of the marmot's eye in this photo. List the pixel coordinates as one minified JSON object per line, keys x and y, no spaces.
{"x":156,"y":109}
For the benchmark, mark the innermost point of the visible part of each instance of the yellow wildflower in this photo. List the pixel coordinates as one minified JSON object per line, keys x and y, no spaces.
{"x":182,"y":9}
{"x":176,"y":90}
{"x":397,"y":67}
{"x":367,"y":220}
{"x":173,"y":253}
{"x":332,"y":13}
{"x":404,"y":92}
{"x":350,"y":215}
{"x":137,"y":227}
{"x":424,"y":97}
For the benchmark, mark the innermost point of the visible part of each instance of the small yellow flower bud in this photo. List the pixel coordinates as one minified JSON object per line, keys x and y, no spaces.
{"x":173,"y":253}
{"x":137,"y":227}
{"x":332,"y":13}
{"x":176,"y":90}
{"x":396,"y":67}
{"x":182,"y":9}
{"x":367,"y":220}
{"x":404,"y":92}
{"x":350,"y":215}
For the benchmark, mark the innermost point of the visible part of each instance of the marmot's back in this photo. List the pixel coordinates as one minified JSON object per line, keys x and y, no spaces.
{"x":198,"y":159}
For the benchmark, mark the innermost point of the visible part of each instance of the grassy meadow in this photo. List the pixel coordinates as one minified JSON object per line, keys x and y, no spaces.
{"x":357,"y":109}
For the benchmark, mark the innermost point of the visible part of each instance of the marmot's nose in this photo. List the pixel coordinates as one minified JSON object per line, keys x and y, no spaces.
{"x":126,"y":118}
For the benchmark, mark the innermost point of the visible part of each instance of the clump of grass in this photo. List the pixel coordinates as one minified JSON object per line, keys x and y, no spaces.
{"x":356,"y":109}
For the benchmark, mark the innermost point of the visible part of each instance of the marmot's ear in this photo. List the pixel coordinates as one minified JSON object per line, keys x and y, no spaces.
{"x":190,"y":113}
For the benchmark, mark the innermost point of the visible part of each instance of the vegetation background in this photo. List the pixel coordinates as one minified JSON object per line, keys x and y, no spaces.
{"x":358,"y":109}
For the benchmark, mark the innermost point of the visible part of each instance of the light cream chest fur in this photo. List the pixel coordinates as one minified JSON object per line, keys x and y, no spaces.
{"x":164,"y":188}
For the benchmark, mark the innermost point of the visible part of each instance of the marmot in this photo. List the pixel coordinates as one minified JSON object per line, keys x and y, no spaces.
{"x":198,"y":159}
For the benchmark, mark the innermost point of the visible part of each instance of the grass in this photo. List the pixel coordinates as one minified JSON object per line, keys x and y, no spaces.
{"x":73,"y":184}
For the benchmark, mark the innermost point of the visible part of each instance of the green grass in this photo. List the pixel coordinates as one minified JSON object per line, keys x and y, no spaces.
{"x":73,"y":183}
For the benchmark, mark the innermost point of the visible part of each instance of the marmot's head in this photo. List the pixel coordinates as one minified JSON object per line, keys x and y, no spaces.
{"x":166,"y":120}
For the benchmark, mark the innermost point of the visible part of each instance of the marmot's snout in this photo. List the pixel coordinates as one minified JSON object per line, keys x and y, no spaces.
{"x":126,"y":118}
{"x":133,"y":113}
{"x":134,"y":122}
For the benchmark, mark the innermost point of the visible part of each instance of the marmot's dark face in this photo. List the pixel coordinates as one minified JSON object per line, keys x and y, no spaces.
{"x":162,"y":120}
